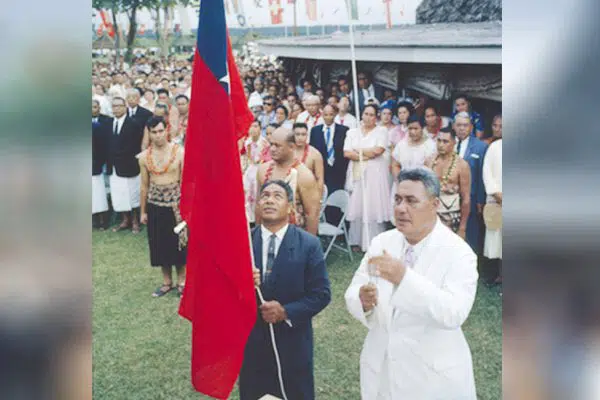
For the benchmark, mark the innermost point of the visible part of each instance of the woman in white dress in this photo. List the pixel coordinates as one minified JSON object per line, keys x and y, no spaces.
{"x":374,"y":172}
{"x":410,"y":153}
{"x":492,"y":179}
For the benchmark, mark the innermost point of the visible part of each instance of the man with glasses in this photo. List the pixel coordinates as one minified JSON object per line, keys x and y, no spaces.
{"x":122,"y":166}
{"x":312,"y":116}
{"x":268,"y":114}
{"x":472,"y":150}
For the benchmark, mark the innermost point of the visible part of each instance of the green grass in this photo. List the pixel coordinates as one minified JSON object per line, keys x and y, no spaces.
{"x":142,"y":347}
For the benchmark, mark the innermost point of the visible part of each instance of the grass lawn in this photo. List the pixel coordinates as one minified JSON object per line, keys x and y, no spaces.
{"x":142,"y":347}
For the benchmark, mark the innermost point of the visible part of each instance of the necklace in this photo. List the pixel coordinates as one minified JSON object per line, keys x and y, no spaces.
{"x":448,"y":173}
{"x":152,"y":166}
{"x":289,"y":171}
{"x":304,"y":155}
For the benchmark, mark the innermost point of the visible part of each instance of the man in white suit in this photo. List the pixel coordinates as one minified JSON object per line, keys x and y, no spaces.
{"x":414,"y":289}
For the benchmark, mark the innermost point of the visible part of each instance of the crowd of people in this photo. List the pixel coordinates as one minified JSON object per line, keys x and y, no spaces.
{"x":306,"y":135}
{"x":316,"y":129}
{"x":437,"y":179}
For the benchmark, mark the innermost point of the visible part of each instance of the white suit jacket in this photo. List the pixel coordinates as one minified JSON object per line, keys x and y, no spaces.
{"x":427,"y":354}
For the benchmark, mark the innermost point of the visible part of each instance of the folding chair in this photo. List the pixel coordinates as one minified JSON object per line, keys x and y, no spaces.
{"x":323,"y":200}
{"x":338,"y":199}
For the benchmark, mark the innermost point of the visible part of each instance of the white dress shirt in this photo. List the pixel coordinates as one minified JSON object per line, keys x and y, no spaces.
{"x":132,"y":111}
{"x":266,"y":237}
{"x":332,"y":130}
{"x":347,"y":120}
{"x":463,"y":146}
{"x":118,"y":124}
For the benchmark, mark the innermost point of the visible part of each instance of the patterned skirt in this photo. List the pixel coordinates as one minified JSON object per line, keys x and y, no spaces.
{"x":166,"y":247}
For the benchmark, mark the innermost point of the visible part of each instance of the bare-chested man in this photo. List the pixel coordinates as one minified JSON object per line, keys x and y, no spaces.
{"x":455,"y":179}
{"x":307,"y":196}
{"x":161,"y":169}
{"x":308,"y":155}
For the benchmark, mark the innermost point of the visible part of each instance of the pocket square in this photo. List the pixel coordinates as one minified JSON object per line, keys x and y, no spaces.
{"x":475,"y":155}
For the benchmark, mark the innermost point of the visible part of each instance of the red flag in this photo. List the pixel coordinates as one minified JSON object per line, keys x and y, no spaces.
{"x":311,"y":9}
{"x":276,"y":12}
{"x":219,"y":297}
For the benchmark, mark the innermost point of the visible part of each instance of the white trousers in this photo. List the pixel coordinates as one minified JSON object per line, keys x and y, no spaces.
{"x":99,"y":200}
{"x":124,"y":192}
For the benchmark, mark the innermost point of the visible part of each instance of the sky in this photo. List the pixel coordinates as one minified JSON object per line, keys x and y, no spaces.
{"x":329,"y":12}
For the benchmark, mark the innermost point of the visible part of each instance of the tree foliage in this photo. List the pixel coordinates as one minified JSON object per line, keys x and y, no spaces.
{"x":131,"y":8}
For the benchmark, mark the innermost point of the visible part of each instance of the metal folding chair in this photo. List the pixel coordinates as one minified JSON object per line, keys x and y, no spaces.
{"x":338,"y":199}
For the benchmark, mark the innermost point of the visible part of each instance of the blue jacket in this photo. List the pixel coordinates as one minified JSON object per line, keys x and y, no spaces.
{"x":299,"y":282}
{"x":474,"y":156}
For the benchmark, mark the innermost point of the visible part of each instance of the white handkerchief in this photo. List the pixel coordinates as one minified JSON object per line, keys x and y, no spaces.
{"x":475,"y":155}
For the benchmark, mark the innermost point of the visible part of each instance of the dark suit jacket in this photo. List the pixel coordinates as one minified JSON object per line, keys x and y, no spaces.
{"x":142,"y":115}
{"x":474,"y":155}
{"x":335,"y":177}
{"x":123,"y":148}
{"x":300,"y":284}
{"x":101,"y":132}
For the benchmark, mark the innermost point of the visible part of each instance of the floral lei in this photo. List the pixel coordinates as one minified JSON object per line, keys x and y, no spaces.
{"x":451,"y":169}
{"x":150,"y":161}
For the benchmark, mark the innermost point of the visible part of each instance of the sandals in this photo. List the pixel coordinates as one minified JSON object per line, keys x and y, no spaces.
{"x":180,"y":290}
{"x":162,"y":290}
{"x":121,"y":227}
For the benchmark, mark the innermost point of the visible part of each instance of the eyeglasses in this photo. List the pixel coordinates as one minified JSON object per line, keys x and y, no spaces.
{"x":267,"y":104}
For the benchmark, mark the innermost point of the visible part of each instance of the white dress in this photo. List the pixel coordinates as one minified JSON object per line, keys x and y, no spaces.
{"x":410,"y":157}
{"x":492,"y":179}
{"x":376,"y":184}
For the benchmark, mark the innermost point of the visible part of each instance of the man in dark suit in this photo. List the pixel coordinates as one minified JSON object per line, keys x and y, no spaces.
{"x":140,"y":114}
{"x":329,"y":140}
{"x":122,"y":166}
{"x":472,"y":150}
{"x":293,"y":279}
{"x":100,"y":141}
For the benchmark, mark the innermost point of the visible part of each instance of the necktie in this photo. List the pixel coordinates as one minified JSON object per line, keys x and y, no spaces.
{"x":116,"y":129}
{"x":409,"y":261}
{"x":270,"y":257}
{"x":409,"y":257}
{"x":330,"y":152}
{"x":458,"y":147}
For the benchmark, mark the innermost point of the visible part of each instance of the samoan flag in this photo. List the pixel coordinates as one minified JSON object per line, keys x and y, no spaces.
{"x":219,"y":297}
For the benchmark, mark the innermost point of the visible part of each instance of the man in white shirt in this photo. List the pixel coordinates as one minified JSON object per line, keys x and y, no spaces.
{"x":312,"y":115}
{"x":292,"y":277}
{"x":413,"y":290}
{"x":344,"y":117}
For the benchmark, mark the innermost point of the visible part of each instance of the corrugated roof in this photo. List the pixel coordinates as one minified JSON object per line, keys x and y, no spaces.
{"x":447,"y":35}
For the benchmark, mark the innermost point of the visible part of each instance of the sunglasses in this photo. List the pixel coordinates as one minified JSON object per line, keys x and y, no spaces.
{"x":267,"y":104}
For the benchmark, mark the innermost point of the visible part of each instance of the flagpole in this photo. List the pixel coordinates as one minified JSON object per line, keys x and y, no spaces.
{"x":365,"y":227}
{"x":295,"y":21}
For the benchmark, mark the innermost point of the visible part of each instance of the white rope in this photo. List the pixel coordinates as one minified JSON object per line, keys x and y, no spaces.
{"x":272,"y":332}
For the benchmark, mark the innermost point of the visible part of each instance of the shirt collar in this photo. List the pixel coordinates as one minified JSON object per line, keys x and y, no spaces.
{"x":266,"y":234}
{"x":419,"y":246}
{"x":120,"y":120}
{"x":332,"y":126}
